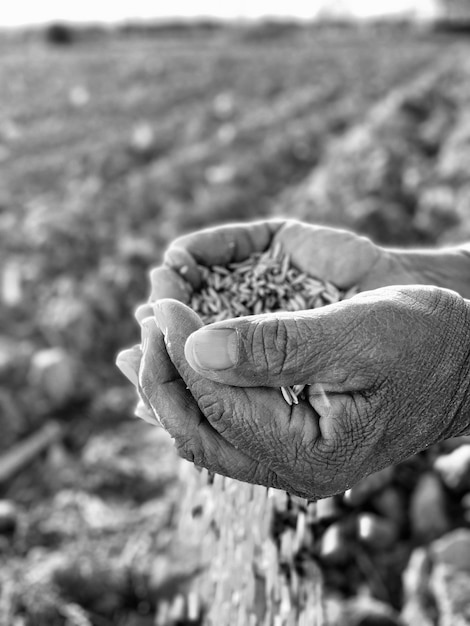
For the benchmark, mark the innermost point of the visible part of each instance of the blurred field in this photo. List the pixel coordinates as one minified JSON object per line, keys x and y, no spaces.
{"x":109,"y":148}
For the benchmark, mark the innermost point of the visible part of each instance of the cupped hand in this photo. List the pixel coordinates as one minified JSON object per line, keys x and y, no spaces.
{"x":338,"y":256}
{"x":388,"y":372}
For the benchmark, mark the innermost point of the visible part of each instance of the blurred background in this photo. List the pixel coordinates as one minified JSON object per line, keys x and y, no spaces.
{"x":124,"y":125}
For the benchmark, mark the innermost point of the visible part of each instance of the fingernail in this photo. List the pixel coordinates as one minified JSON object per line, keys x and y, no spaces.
{"x":128,"y":361}
{"x":183,"y":262}
{"x":212,"y":349}
{"x":147,"y":325}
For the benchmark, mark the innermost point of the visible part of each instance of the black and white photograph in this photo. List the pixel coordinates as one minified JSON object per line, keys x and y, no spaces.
{"x":235,"y":313}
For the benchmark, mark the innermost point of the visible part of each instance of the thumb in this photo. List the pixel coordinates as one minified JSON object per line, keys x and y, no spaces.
{"x":276,"y":349}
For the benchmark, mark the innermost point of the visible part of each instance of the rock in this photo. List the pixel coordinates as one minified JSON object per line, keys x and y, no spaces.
{"x":436,"y":211}
{"x":142,"y":141}
{"x":12,"y":419}
{"x":391,"y":504}
{"x":79,"y":96}
{"x":366,"y":611}
{"x":417,"y":608}
{"x":428,"y":515}
{"x":452,"y":593}
{"x":15,"y":357}
{"x":449,"y":445}
{"x":134,"y":248}
{"x":223,"y":105}
{"x":120,"y":460}
{"x":11,"y":278}
{"x":220,"y":174}
{"x":465,"y":503}
{"x":327,"y":509}
{"x":450,"y":578}
{"x":54,"y":372}
{"x":8,"y":516}
{"x":436,"y":583}
{"x":376,"y":532}
{"x":334,"y":544}
{"x":61,"y":468}
{"x":452,"y":162}
{"x":367,"y":487}
{"x":416,"y":574}
{"x":453,"y":549}
{"x":454,"y":468}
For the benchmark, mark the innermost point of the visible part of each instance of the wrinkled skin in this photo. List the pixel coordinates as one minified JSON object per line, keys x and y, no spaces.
{"x":388,"y":369}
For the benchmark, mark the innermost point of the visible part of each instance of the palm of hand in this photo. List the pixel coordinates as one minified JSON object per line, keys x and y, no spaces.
{"x":340,"y":257}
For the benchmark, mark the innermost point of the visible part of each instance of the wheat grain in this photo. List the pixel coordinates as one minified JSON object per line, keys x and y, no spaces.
{"x":263,"y":283}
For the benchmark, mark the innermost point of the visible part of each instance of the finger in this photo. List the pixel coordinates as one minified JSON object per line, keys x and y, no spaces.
{"x":256,"y":420}
{"x":143,"y":311}
{"x":223,"y":244}
{"x":327,"y":346}
{"x":195,"y":439}
{"x":166,"y":283}
{"x":144,"y":412}
{"x":128,"y":361}
{"x":182,"y":261}
{"x":321,"y":251}
{"x":162,"y":368}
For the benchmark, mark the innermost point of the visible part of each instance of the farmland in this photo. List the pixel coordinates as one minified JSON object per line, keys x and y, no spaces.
{"x":109,"y":148}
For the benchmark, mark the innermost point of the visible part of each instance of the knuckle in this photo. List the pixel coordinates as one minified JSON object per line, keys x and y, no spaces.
{"x":184,"y":450}
{"x":189,"y":450}
{"x":333,"y":468}
{"x":270,"y":343}
{"x":212,"y":406}
{"x":336,"y":453}
{"x":296,"y":454}
{"x":216,"y":411}
{"x":269,"y":479}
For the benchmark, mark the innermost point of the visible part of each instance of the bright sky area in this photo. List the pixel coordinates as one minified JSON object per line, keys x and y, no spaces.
{"x":19,"y":12}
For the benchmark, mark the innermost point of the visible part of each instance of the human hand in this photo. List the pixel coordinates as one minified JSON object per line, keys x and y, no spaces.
{"x":329,"y":254}
{"x":339,"y":256}
{"x":388,"y":372}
